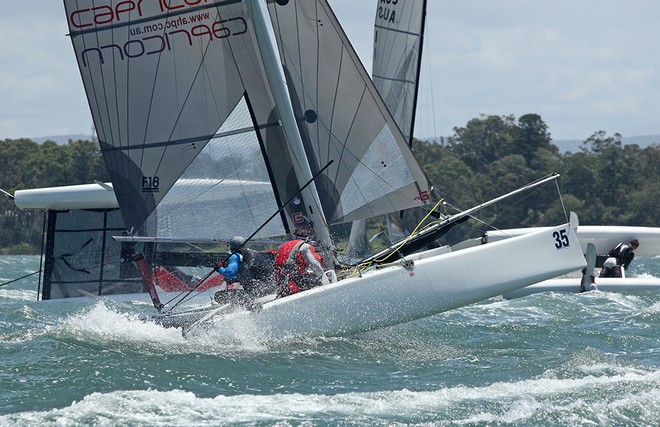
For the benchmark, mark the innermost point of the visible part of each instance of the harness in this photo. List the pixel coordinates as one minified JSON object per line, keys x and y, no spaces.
{"x":616,"y":251}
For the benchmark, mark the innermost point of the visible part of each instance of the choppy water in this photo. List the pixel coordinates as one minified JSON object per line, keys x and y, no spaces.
{"x":544,"y":360}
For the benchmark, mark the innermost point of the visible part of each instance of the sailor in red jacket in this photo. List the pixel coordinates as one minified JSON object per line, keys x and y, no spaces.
{"x":297,"y":265}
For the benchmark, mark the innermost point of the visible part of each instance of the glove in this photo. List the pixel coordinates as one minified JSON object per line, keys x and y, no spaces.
{"x":219,"y":265}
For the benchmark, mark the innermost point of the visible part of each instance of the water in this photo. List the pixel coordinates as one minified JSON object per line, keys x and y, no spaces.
{"x":543,"y":360}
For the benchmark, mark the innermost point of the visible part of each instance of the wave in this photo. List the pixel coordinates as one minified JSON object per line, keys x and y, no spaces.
{"x":632,"y":396}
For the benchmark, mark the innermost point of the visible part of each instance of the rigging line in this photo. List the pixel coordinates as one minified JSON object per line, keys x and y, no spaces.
{"x":361,"y":267}
{"x":22,"y":277}
{"x":512,"y":205}
{"x":392,"y":79}
{"x":183,"y":141}
{"x":413,"y":232}
{"x":290,"y":200}
{"x":561,"y":199}
{"x":11,"y":196}
{"x":408,"y":33}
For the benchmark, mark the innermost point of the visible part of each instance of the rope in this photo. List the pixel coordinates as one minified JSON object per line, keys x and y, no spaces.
{"x":23,"y":277}
{"x":361,"y":267}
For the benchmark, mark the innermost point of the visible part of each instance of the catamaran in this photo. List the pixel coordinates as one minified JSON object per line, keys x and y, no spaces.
{"x":229,"y":94}
{"x":397,"y":57}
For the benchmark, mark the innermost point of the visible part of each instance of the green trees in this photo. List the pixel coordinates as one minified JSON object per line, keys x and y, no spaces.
{"x":26,"y":164}
{"x":605,"y":182}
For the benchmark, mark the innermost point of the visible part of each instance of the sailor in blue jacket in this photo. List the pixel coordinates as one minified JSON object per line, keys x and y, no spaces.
{"x":230,"y":271}
{"x":233,"y":272}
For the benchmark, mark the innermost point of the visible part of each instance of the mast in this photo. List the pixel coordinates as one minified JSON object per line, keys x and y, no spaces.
{"x":303,"y":172}
{"x":418,"y":72}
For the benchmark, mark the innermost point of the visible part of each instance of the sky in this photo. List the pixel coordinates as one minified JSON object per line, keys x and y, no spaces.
{"x":583,"y":66}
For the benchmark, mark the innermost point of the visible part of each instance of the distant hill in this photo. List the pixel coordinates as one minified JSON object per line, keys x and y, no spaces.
{"x":62,"y":139}
{"x":573,"y":145}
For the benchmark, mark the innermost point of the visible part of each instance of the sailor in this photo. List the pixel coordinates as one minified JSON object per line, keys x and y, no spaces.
{"x":619,"y":257}
{"x":236,"y":273}
{"x":297,"y":265}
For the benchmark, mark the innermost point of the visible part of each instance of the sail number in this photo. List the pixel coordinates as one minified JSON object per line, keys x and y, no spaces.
{"x":150,"y":184}
{"x":561,"y":239}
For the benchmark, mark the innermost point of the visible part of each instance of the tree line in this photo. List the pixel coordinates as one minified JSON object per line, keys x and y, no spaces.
{"x":27,"y":164}
{"x":605,"y":182}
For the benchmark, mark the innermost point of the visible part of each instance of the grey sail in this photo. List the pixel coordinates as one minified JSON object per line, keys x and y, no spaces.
{"x":342,"y":117}
{"x":398,"y":35}
{"x":162,"y":82}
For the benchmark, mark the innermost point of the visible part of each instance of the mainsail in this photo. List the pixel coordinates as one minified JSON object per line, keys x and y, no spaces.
{"x":193,"y":137}
{"x":162,"y":82}
{"x":342,"y":117}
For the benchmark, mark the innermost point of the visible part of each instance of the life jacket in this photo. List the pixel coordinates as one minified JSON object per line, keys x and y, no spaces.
{"x":244,"y":275}
{"x":616,"y":251}
{"x":623,"y":254}
{"x":291,"y":267}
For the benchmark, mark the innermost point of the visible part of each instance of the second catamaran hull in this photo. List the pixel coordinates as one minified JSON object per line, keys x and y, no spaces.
{"x":572,"y":285}
{"x":424,"y":284}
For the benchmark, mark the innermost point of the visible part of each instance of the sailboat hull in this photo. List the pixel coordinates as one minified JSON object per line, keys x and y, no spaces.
{"x":604,"y":284}
{"x":422,"y":285}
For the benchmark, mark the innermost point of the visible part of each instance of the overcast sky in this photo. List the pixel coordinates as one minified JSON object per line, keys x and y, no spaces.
{"x":583,"y":65}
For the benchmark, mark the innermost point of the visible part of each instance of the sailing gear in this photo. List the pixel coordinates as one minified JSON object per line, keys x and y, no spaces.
{"x":619,"y":259}
{"x":231,"y":271}
{"x":297,"y":267}
{"x":236,"y":243}
{"x":623,"y":253}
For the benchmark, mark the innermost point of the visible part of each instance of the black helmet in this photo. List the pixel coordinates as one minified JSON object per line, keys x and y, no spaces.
{"x":236,"y":243}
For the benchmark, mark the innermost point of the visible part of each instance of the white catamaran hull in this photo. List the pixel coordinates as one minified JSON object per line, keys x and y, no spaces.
{"x":399,"y":293}
{"x":572,"y":285}
{"x":604,"y":237}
